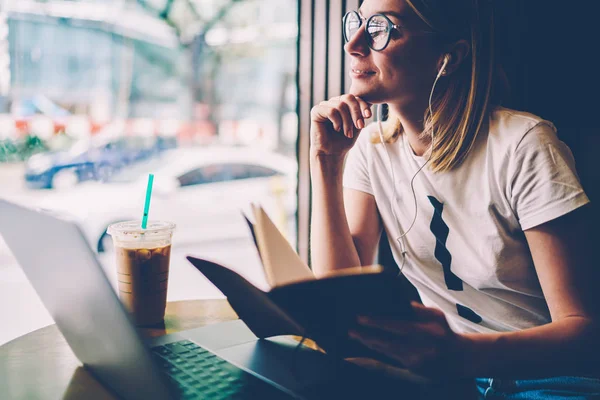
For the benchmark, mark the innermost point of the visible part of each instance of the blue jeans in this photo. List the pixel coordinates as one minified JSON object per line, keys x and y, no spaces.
{"x":555,"y":388}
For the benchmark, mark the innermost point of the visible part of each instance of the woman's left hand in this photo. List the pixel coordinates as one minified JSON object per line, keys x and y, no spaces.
{"x":426,"y":345}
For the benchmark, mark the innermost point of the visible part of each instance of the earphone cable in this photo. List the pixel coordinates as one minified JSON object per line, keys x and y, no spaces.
{"x":399,"y":239}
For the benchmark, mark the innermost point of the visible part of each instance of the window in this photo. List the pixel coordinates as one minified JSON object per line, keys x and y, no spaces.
{"x":92,"y":106}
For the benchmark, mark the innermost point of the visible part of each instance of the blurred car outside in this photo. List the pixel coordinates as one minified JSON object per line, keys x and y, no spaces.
{"x":95,"y":158}
{"x":203,"y":190}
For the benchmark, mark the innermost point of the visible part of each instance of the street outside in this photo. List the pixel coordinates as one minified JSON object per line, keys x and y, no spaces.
{"x":21,"y":310}
{"x":95,"y":96}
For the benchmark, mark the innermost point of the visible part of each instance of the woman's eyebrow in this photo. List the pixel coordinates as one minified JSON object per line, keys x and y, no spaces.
{"x":390,"y":13}
{"x":394,"y":14}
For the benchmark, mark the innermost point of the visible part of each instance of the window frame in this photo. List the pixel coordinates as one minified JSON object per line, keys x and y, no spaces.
{"x":323,"y":72}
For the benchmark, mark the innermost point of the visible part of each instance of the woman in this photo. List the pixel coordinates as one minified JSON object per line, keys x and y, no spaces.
{"x":482,"y":206}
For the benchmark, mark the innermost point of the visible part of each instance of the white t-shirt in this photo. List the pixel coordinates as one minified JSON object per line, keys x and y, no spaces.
{"x":467,"y":254}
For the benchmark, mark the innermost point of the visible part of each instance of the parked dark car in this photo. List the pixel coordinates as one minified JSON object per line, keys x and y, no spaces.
{"x":94,"y":159}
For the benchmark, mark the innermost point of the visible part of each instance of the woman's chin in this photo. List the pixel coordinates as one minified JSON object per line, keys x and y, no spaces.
{"x":367,"y":95}
{"x":365,"y":92}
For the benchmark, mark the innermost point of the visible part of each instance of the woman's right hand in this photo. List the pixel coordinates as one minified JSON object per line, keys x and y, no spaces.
{"x":336,"y":123}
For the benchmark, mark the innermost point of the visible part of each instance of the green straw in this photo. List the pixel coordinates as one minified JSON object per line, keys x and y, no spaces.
{"x":147,"y":205}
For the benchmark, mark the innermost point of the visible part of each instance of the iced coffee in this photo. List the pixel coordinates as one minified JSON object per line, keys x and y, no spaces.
{"x":143,"y":258}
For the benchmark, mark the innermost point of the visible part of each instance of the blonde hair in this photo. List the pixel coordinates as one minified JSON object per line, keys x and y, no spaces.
{"x":462,"y":101}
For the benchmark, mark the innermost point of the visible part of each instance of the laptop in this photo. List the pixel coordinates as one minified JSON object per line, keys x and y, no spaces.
{"x":219,"y":361}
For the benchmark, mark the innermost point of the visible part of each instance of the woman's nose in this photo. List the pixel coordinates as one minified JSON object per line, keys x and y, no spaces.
{"x":358,"y":45}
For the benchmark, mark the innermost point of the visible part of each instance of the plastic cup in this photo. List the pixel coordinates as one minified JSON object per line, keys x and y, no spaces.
{"x":143,"y":257}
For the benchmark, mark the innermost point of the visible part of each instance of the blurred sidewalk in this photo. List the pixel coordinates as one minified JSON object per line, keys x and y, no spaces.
{"x":11,"y":177}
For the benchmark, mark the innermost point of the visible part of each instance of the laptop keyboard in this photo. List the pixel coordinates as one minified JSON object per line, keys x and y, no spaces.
{"x":199,"y":374}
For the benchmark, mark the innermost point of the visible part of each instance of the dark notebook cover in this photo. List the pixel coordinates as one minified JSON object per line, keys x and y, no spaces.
{"x":321,"y":309}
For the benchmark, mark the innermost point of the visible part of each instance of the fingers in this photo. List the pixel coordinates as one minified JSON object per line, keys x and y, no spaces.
{"x":355,"y":110}
{"x":397,"y":328}
{"x":423,"y":313}
{"x":403,"y":351}
{"x":428,"y":321}
{"x":324,"y":112}
{"x":347,"y":118}
{"x":346,"y":113}
{"x":364,"y":107}
{"x":373,"y":342}
{"x":420,"y":313}
{"x":355,"y":107}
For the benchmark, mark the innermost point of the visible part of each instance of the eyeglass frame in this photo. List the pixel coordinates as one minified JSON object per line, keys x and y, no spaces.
{"x":390,"y":27}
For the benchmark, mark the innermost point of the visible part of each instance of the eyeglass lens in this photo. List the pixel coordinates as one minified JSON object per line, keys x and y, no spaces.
{"x":377,"y":27}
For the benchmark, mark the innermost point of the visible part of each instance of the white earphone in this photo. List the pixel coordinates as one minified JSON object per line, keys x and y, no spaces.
{"x":379,"y":113}
{"x":447,"y":59}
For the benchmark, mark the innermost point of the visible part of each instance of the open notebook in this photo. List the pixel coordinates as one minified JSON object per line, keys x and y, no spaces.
{"x":299,"y":304}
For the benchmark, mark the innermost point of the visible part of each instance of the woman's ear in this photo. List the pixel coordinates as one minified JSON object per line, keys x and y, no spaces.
{"x":458,"y":52}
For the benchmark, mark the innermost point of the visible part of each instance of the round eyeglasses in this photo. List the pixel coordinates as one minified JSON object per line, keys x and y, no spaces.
{"x":378,"y":28}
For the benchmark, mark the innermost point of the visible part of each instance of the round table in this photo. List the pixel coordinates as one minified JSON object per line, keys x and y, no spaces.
{"x":41,"y":365}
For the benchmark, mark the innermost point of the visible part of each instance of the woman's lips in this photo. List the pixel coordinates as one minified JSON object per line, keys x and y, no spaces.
{"x":361,"y":73}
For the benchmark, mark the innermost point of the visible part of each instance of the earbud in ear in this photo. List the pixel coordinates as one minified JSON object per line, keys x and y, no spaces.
{"x":447,"y":59}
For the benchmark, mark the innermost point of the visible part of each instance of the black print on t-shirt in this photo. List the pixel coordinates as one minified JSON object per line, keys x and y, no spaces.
{"x":440,"y":230}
